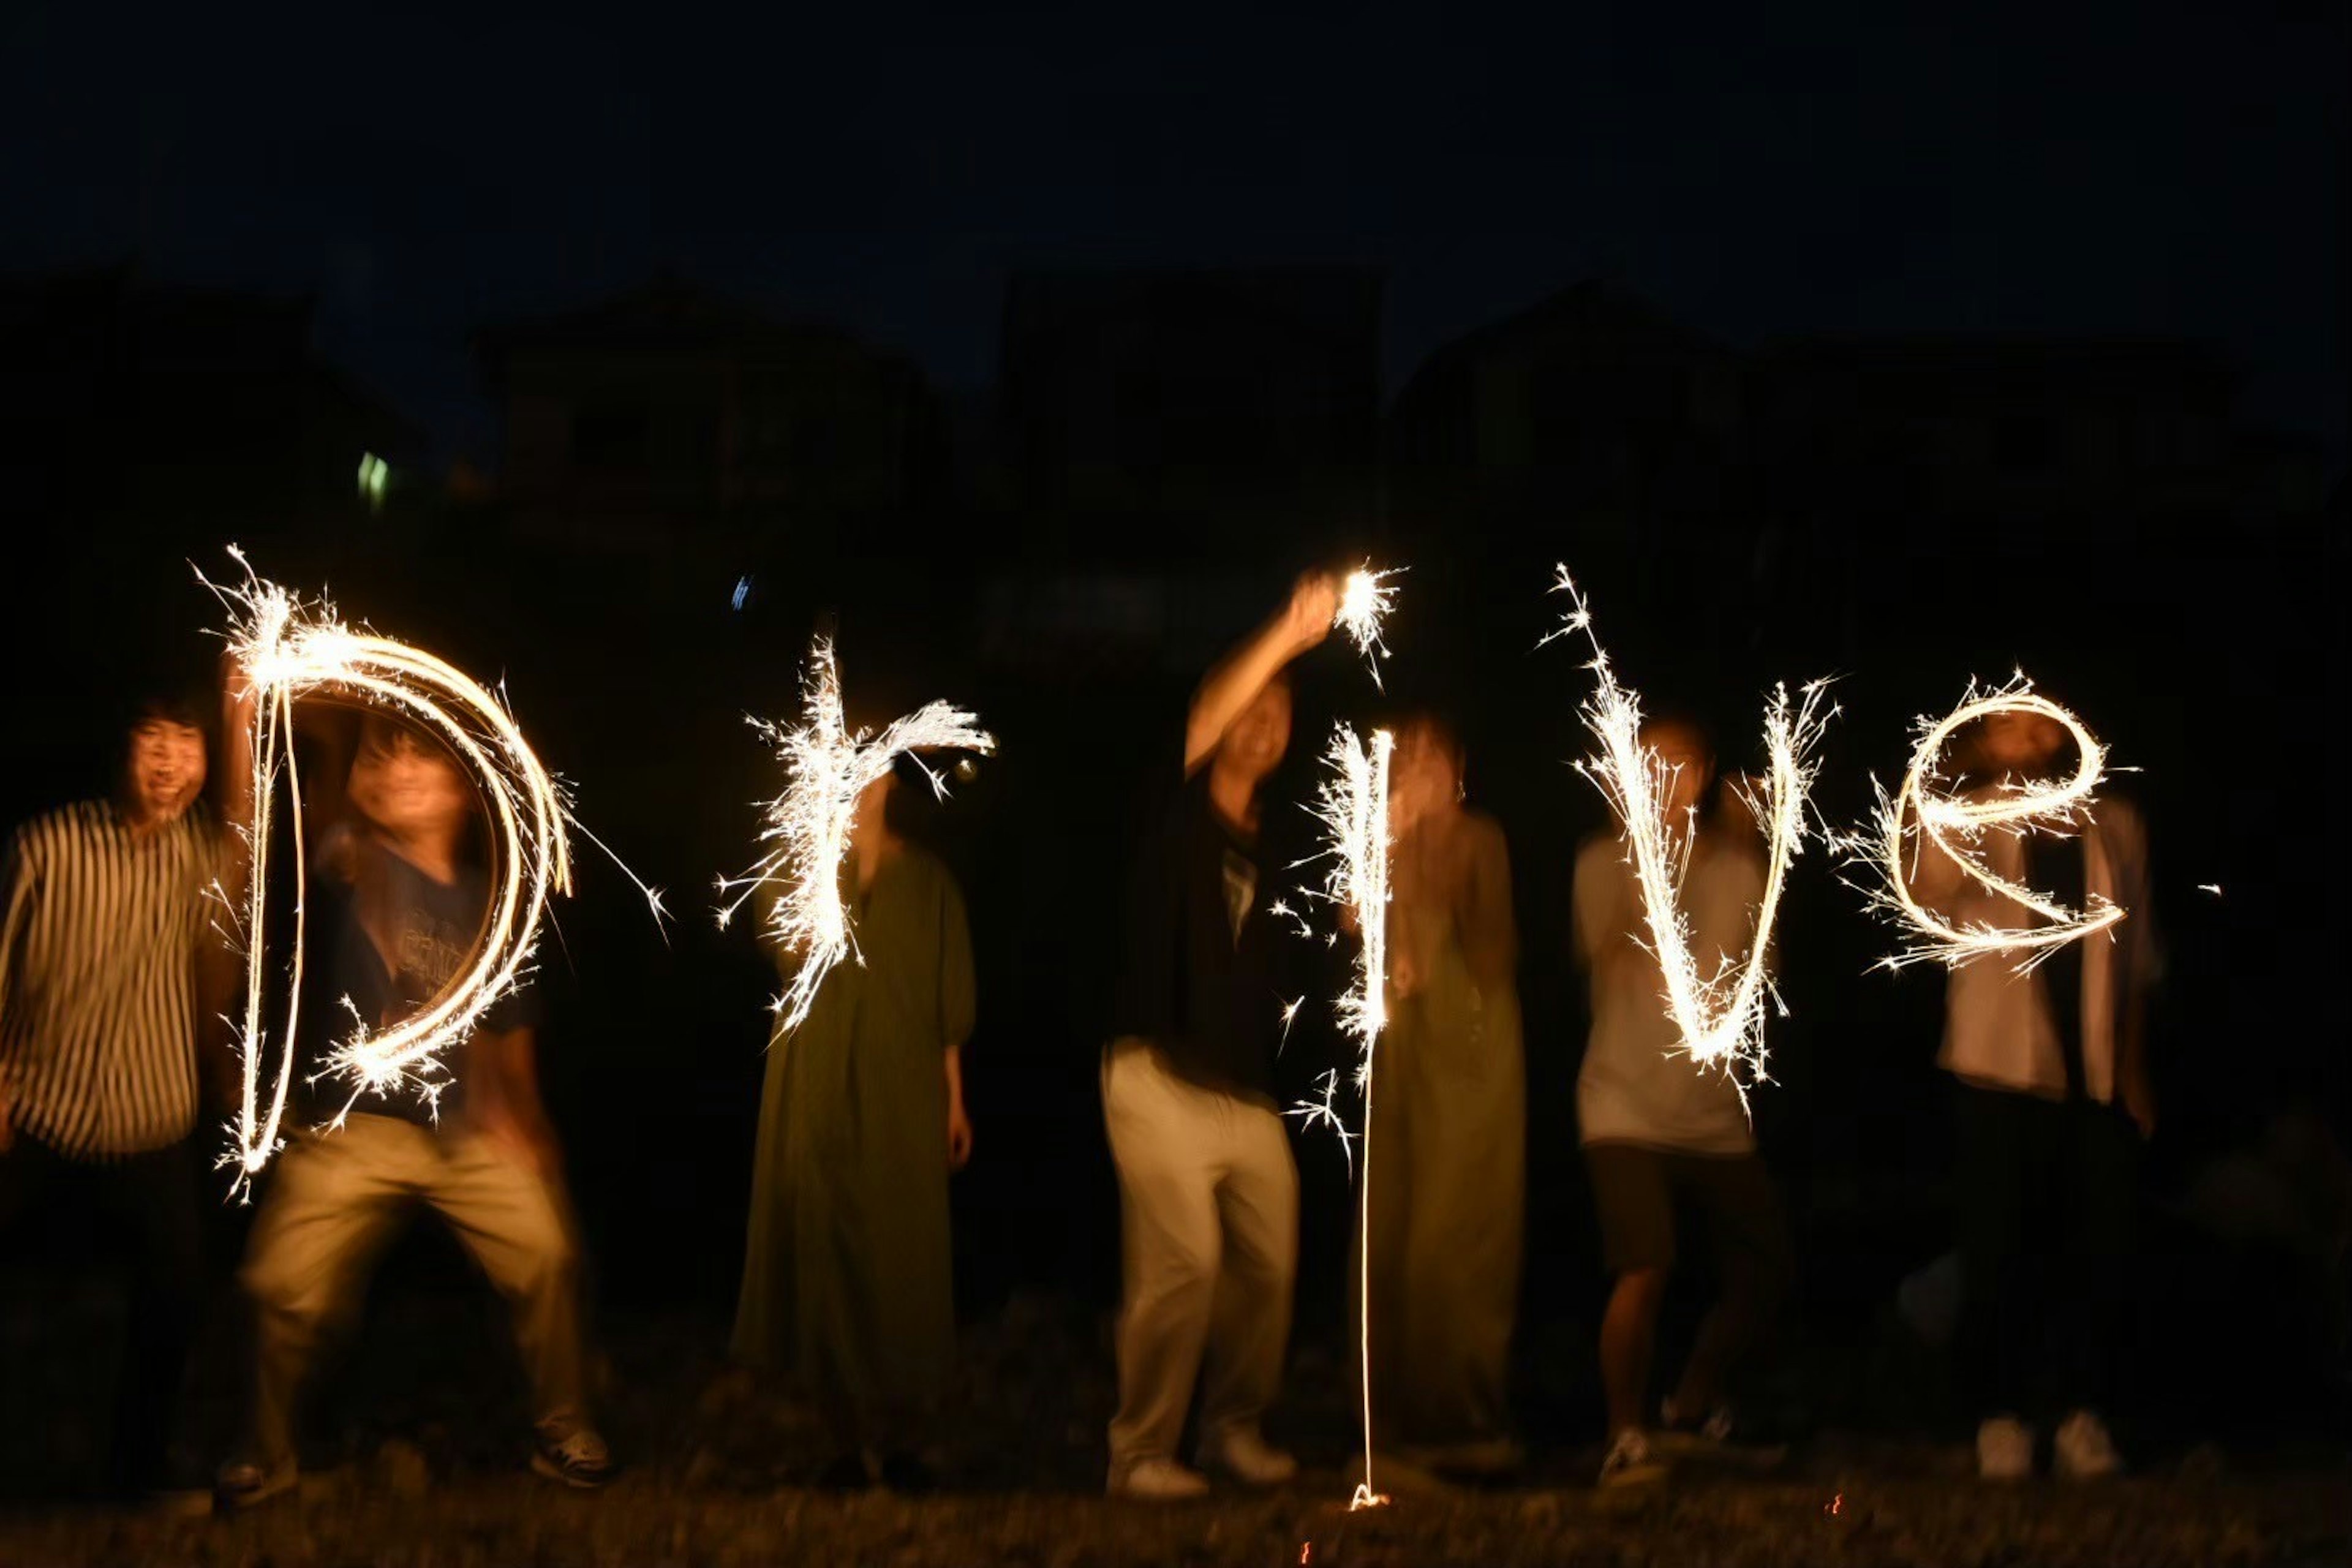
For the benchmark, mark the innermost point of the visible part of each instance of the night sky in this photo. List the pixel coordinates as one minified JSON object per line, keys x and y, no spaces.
{"x":1768,"y":170}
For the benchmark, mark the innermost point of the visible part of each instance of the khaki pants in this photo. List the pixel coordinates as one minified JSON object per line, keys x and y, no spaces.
{"x":1209,"y":1223}
{"x":334,"y":1203}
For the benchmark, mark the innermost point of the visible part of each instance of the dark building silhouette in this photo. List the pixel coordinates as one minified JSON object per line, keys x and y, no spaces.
{"x":177,"y":416}
{"x":1592,"y":411}
{"x":1182,"y":414}
{"x":671,"y":411}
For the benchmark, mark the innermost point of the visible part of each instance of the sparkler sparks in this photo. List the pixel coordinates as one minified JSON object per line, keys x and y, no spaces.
{"x":1924,"y":813}
{"x":827,"y":769}
{"x":1720,"y":1016}
{"x":1365,"y":601}
{"x":287,"y":648}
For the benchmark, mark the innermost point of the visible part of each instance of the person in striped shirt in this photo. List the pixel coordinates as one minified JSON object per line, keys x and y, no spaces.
{"x":102,"y":913}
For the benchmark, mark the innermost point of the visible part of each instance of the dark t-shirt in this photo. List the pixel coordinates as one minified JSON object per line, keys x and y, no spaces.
{"x":1203,"y":973}
{"x":435,"y":931}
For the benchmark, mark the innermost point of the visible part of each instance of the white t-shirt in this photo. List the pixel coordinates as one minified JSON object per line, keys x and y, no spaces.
{"x":1998,"y":1030}
{"x":1638,"y":1086}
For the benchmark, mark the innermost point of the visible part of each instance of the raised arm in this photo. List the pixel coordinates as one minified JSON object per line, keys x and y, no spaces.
{"x":1236,"y":679}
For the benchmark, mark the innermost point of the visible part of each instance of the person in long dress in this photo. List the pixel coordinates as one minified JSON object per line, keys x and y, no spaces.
{"x":1449,"y":1123}
{"x":847,"y":1276}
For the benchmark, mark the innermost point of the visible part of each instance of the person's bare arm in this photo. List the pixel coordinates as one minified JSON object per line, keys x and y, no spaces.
{"x":508,"y":1104}
{"x":958,"y":1120}
{"x":1237,"y":679}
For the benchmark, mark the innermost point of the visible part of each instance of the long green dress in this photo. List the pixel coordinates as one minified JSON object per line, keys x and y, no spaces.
{"x":1448,"y":1157}
{"x":848,"y":1279}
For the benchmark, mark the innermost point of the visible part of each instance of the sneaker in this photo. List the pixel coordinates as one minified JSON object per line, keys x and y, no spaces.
{"x":2083,"y":1449}
{"x":1248,"y":1457}
{"x":245,"y":1483}
{"x":2005,"y":1449}
{"x":1159,"y":1480}
{"x":1679,"y":1432}
{"x":571,"y":1452}
{"x":1630,"y":1461}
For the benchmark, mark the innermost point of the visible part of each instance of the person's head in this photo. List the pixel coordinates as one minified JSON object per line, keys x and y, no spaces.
{"x":407,"y":784}
{"x":2018,"y":741}
{"x":1682,"y":746}
{"x":1254,"y":743}
{"x":163,"y":756}
{"x":873,"y":807}
{"x":1425,"y":774}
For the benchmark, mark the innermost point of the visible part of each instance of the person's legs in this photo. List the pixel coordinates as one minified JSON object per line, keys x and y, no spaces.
{"x":1757,"y":1265}
{"x":1162,"y":1144}
{"x":2097,"y":1328}
{"x":1637,"y":1247}
{"x":1249,"y":1330}
{"x":153,"y":1197}
{"x":513,"y":1221}
{"x":331,"y":1204}
{"x":2000,"y":1135}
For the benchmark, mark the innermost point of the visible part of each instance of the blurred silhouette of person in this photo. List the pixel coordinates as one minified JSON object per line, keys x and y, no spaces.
{"x":1208,"y":1192}
{"x":2052,"y":1096}
{"x":399,"y":907}
{"x":102,"y":920}
{"x":1450,"y":1121}
{"x":1661,"y":1132}
{"x":847,"y":1273}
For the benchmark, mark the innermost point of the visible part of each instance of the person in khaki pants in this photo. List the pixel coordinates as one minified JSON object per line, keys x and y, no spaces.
{"x":1208,"y":1195}
{"x":398,"y":913}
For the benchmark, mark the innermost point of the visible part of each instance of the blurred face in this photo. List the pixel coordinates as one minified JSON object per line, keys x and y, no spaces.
{"x":1425,"y":776}
{"x":1254,"y":745}
{"x":1689,"y":768}
{"x":2017,"y":742}
{"x":409,"y":787}
{"x":165,"y":768}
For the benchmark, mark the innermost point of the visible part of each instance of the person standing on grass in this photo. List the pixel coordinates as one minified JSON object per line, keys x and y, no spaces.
{"x":848,"y":1272}
{"x":399,"y":906}
{"x":103,"y":918}
{"x":2052,"y":1095}
{"x":1208,"y":1192}
{"x":1663,"y":1132}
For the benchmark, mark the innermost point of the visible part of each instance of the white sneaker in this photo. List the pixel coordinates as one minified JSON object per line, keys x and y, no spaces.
{"x":1248,"y":1457}
{"x":2005,"y":1449}
{"x":2083,"y":1450}
{"x":1629,"y":1462}
{"x":1159,"y":1480}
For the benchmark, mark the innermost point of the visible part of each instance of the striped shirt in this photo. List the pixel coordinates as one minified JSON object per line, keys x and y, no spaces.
{"x":98,"y":982}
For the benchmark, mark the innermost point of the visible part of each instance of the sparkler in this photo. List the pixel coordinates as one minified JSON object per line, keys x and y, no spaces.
{"x":287,"y":648}
{"x":1352,"y":805}
{"x":1364,"y":603}
{"x":1720,"y":1016}
{"x":826,"y":768}
{"x":1924,"y":813}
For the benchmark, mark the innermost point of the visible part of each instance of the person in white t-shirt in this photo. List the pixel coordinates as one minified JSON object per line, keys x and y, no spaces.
{"x":1661,"y":1130}
{"x":2053,"y":1097}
